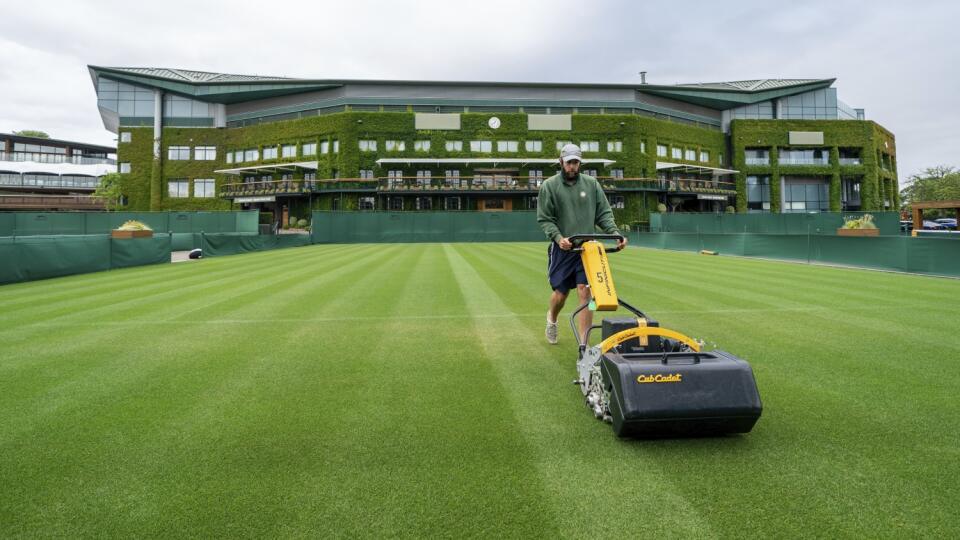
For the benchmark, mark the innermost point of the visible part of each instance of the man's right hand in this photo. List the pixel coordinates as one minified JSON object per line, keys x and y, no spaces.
{"x":566,"y":244}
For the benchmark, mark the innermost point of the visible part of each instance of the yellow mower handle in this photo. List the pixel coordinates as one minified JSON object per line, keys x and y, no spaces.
{"x":646,"y":331}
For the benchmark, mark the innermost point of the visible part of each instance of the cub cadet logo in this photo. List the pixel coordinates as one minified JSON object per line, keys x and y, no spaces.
{"x":660,"y":378}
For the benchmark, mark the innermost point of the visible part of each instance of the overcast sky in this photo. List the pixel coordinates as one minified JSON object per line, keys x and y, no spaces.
{"x":898,"y":60}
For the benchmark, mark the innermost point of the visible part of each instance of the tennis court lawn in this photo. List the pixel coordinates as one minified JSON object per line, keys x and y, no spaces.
{"x":407,"y":390}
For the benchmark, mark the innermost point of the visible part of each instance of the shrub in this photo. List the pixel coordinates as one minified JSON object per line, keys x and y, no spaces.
{"x":731,"y":210}
{"x":864,"y":222}
{"x":134,"y":225}
{"x":662,"y":208}
{"x":292,"y":221}
{"x":301,"y":223}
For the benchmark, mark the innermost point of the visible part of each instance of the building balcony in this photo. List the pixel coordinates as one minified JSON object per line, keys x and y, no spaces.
{"x":804,"y":161}
{"x":850,"y":161}
{"x":47,"y":182}
{"x":36,"y":157}
{"x":757,"y":161}
{"x":50,"y":202}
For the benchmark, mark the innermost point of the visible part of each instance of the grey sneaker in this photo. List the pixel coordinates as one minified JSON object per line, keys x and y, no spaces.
{"x":551,"y":331}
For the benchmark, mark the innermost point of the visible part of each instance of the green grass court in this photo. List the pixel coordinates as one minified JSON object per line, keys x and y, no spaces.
{"x":407,"y":390}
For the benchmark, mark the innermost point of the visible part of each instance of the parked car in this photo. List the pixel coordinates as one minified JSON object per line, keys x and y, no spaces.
{"x":933,"y":226}
{"x":950,"y":223}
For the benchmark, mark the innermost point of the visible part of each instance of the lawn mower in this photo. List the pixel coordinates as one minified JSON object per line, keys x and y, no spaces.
{"x":650,"y":381}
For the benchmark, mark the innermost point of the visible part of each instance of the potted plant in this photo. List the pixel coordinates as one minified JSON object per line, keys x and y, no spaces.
{"x":862,"y":226}
{"x":132,"y":229}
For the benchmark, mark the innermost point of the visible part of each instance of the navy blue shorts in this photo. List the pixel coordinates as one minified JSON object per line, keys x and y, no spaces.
{"x":564,"y":268}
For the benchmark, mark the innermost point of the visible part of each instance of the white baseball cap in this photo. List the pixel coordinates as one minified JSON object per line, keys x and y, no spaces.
{"x":570,"y":152}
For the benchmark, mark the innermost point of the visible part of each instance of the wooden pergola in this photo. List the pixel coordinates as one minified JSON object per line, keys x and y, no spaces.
{"x":919,"y":206}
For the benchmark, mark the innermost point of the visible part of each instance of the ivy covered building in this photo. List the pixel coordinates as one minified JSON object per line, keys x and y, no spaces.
{"x":197,"y":140}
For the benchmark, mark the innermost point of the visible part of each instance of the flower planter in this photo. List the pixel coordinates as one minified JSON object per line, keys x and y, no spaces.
{"x":858,"y":232}
{"x":131,"y":234}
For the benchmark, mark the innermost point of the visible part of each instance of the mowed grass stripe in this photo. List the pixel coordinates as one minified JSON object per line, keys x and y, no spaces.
{"x":565,"y":439}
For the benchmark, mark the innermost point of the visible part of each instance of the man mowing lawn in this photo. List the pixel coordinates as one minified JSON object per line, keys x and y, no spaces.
{"x":570,"y":203}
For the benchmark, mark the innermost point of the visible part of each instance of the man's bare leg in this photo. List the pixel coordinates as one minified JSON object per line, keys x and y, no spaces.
{"x":586,"y":316}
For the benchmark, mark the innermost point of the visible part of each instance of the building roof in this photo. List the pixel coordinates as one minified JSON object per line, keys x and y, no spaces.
{"x":226,"y":88}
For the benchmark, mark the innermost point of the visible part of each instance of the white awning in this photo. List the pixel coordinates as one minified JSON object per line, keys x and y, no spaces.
{"x":277,"y":167}
{"x":490,"y":160}
{"x":699,"y":169}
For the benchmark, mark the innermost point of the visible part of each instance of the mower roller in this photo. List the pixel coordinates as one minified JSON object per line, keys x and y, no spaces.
{"x":650,"y":381}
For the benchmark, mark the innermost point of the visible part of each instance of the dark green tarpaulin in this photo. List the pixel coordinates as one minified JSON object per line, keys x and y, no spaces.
{"x":39,"y":257}
{"x":64,"y":223}
{"x":940,"y":256}
{"x":381,"y":227}
{"x":215,"y":245}
{"x":819,"y":223}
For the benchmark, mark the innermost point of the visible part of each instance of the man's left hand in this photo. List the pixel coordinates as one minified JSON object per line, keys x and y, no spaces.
{"x":622,"y":243}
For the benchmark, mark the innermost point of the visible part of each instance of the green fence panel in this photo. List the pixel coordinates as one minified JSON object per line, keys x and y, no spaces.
{"x":682,"y":241}
{"x":934,"y":256}
{"x":246,"y":221}
{"x":219,"y":244}
{"x":778,"y":246}
{"x":821,"y":223}
{"x":181,"y":223}
{"x":49,"y":223}
{"x":9,"y":269}
{"x":881,"y":252}
{"x":351,"y":227}
{"x":8,"y":223}
{"x":184,"y":241}
{"x":654,"y":240}
{"x":127,"y":252}
{"x":41,"y":257}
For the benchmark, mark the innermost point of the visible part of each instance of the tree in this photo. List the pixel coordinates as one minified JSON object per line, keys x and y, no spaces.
{"x":940,"y":183}
{"x":110,"y":190}
{"x":32,"y":133}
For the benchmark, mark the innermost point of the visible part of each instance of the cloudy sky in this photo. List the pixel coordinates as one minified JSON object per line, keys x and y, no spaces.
{"x":898,"y":60}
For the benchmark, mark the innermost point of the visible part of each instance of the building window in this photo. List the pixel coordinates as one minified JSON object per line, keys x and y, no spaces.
{"x":336,"y":146}
{"x":238,"y":156}
{"x":720,"y":159}
{"x":310,"y":176}
{"x":396,"y":203}
{"x":204,"y":188}
{"x":394,"y":179}
{"x":125,"y":136}
{"x":532,"y":203}
{"x":178,"y":153}
{"x":423,"y":178}
{"x":536,"y":178}
{"x":690,"y":155}
{"x":805,"y":195}
{"x":561,"y":144}
{"x":507,"y":146}
{"x":309,"y":149}
{"x":424,"y":203}
{"x":533,"y":146}
{"x":288,"y":150}
{"x":453,"y":146}
{"x":643,"y":147}
{"x":616,"y":173}
{"x":325,"y":147}
{"x":229,"y":157}
{"x":396,"y":146}
{"x":616,"y":201}
{"x":676,"y":153}
{"x":178,"y":189}
{"x":367,"y":203}
{"x":758,"y":193}
{"x":251,"y":155}
{"x":451,"y":178}
{"x":421,"y":146}
{"x":286,"y":176}
{"x":661,"y":150}
{"x":806,"y":156}
{"x":704,"y":156}
{"x":615,"y":146}
{"x":269,"y":152}
{"x":481,"y":146}
{"x":590,"y":146}
{"x":334,"y":173}
{"x":205,"y":153}
{"x":590,"y":172}
{"x":366,"y":174}
{"x":124,"y":167}
{"x":451,"y":203}
{"x":367,"y":145}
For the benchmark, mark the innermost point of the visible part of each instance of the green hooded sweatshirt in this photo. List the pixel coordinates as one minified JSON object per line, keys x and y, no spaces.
{"x":568,"y":208}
